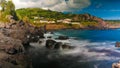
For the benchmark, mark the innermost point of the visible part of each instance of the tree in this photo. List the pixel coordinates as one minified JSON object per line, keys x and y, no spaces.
{"x":10,"y":8}
{"x":3,"y":4}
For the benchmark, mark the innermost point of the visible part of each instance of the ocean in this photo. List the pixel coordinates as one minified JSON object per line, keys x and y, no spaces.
{"x":94,"y":49}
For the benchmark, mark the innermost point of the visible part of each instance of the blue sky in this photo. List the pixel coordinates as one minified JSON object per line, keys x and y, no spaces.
{"x":106,"y":9}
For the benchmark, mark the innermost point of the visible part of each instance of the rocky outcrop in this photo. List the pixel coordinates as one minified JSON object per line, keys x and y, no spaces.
{"x":52,"y":44}
{"x":63,"y":37}
{"x":23,"y":31}
{"x":117,"y":44}
{"x":116,"y":65}
{"x":12,"y":53}
{"x":14,"y":37}
{"x":100,"y":23}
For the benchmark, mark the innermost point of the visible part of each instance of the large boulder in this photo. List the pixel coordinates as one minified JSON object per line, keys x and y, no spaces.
{"x":63,"y":37}
{"x":116,"y":65}
{"x":50,"y":43}
{"x":117,"y":44}
{"x":58,"y":45}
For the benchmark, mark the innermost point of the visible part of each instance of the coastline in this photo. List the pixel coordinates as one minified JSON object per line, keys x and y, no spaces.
{"x":80,"y":29}
{"x":53,"y":27}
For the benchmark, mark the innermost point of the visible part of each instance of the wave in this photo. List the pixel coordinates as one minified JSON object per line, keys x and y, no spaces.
{"x":93,"y":51}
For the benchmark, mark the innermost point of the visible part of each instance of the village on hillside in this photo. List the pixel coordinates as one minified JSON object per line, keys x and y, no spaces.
{"x":43,"y":20}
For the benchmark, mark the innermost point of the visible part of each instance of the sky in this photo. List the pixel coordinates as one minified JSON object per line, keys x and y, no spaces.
{"x":106,"y":9}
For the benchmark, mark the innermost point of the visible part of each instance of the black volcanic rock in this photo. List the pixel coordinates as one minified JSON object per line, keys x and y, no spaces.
{"x":117,"y":44}
{"x":58,"y":45}
{"x":65,"y":46}
{"x":63,"y":37}
{"x":50,"y":44}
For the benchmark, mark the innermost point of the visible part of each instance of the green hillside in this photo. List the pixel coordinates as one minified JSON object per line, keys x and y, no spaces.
{"x":33,"y":12}
{"x":48,"y":14}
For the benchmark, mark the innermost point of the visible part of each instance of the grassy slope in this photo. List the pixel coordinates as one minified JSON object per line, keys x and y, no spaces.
{"x":84,"y":19}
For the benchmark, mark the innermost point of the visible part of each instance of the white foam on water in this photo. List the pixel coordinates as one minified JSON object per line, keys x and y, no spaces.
{"x":93,"y":51}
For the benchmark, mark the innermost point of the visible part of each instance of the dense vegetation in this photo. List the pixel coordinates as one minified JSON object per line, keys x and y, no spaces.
{"x":33,"y":12}
{"x":8,"y":8}
{"x":48,"y":14}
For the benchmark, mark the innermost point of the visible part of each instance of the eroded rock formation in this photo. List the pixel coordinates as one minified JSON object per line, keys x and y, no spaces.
{"x":14,"y":37}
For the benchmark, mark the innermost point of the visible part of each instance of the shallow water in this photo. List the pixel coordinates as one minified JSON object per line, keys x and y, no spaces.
{"x":94,"y":49}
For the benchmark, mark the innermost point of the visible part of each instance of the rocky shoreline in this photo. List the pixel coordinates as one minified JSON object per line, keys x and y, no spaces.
{"x":14,"y":38}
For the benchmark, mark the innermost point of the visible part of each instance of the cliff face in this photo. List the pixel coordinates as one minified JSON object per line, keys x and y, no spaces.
{"x":100,"y":23}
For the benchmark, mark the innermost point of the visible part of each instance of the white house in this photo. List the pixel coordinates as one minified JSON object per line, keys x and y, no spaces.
{"x":44,"y":21}
{"x":59,"y":21}
{"x":67,"y":21}
{"x":51,"y":22}
{"x":35,"y":18}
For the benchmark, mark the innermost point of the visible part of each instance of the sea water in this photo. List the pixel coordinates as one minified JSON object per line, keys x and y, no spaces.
{"x":94,"y":49}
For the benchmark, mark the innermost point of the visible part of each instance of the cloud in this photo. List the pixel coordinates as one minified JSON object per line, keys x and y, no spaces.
{"x":56,"y":5}
{"x":29,"y":0}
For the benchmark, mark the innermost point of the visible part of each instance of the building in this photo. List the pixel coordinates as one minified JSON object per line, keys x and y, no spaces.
{"x":68,"y":21}
{"x":44,"y":21}
{"x":51,"y":22}
{"x":59,"y":21}
{"x":35,"y":18}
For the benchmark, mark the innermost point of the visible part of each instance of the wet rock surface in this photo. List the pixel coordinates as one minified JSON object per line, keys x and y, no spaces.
{"x":52,"y":44}
{"x":63,"y":37}
{"x":117,"y":44}
{"x":116,"y":65}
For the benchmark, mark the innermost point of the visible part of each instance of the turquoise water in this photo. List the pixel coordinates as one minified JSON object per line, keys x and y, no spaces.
{"x":93,"y":35}
{"x":96,"y":46}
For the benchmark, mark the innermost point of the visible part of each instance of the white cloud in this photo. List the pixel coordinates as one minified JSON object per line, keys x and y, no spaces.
{"x":56,"y":5}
